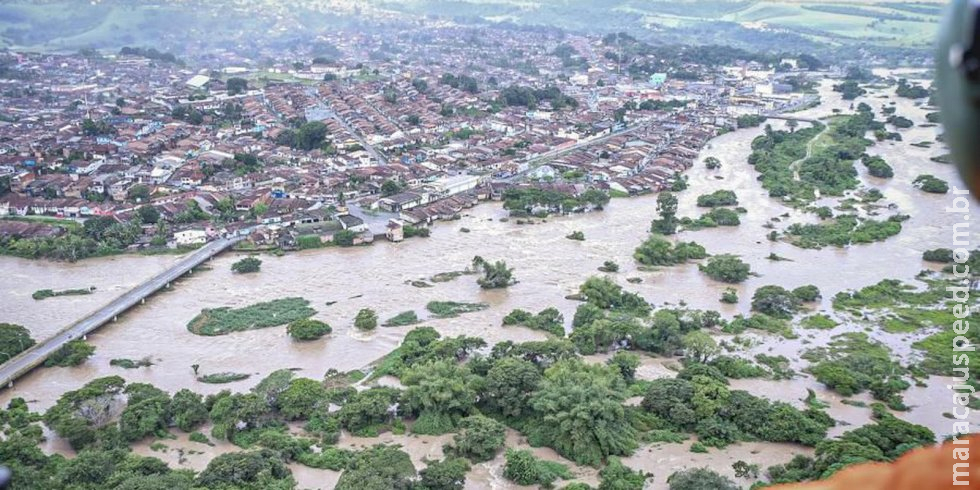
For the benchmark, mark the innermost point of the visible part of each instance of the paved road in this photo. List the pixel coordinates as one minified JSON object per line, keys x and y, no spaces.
{"x":360,"y":139}
{"x":33,"y":357}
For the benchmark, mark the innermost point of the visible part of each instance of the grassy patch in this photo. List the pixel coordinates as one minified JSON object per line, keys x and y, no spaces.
{"x":818,"y":322}
{"x":402,"y":319}
{"x":449,"y":276}
{"x":450,"y":309}
{"x":221,"y":321}
{"x":200,"y":438}
{"x":50,"y":293}
{"x":131,"y":363}
{"x":222,"y":378}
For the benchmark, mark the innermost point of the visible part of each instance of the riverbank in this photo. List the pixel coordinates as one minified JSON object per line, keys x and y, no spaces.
{"x":548,"y":267}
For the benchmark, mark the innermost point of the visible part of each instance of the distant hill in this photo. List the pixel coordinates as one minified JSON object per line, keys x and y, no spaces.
{"x":758,"y":25}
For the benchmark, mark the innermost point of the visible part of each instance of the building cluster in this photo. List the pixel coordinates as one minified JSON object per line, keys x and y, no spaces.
{"x":392,"y":130}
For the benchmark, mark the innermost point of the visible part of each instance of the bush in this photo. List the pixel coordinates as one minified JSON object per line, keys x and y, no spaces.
{"x":718,"y":198}
{"x":939,"y":255}
{"x":71,"y":354}
{"x":700,"y":479}
{"x":366,"y":319}
{"x":344,"y":238}
{"x":308,"y":329}
{"x":775,"y":301}
{"x":931,"y":184}
{"x":450,"y":309}
{"x":130,"y":363}
{"x":524,"y":469}
{"x":14,"y":339}
{"x":246,"y":265}
{"x":877,"y":167}
{"x":729,"y":296}
{"x":479,"y":439}
{"x":609,"y":266}
{"x":548,"y":320}
{"x":807,"y":294}
{"x":657,"y":250}
{"x":726,"y":268}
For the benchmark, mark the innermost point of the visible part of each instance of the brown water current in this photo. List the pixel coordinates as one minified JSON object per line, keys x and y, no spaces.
{"x":548,"y":267}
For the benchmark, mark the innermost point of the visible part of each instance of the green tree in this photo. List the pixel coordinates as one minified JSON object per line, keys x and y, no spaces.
{"x":148,"y":214}
{"x":495,"y":275}
{"x":80,"y":415}
{"x":667,"y":209}
{"x":138,"y":193}
{"x":448,"y":474}
{"x":144,"y":415}
{"x":775,"y":301}
{"x":344,"y":238}
{"x":310,"y":136}
{"x":807,"y":294}
{"x":626,"y":363}
{"x":726,"y":268}
{"x":14,"y":339}
{"x":700,"y":479}
{"x":441,"y":393}
{"x":71,"y":354}
{"x":509,"y":385}
{"x":378,"y":468}
{"x":479,"y":439}
{"x":580,"y":413}
{"x":252,"y":470}
{"x":302,"y":398}
{"x":236,"y":85}
{"x":366,"y":319}
{"x":307,"y":329}
{"x":187,"y":410}
{"x":390,"y":188}
{"x":247,"y":265}
{"x":367,"y":409}
{"x":699,"y":346}
{"x":617,"y":476}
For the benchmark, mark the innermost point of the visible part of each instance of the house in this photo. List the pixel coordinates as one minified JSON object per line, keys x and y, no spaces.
{"x":352,"y":223}
{"x":395,"y":230}
{"x":192,"y":236}
{"x":398,"y":202}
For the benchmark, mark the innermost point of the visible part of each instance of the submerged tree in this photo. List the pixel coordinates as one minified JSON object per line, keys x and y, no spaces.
{"x":495,"y":275}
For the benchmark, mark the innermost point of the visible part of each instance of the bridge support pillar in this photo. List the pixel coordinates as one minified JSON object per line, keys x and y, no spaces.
{"x":115,"y":318}
{"x":85,"y":337}
{"x":10,"y":384}
{"x":142,"y":301}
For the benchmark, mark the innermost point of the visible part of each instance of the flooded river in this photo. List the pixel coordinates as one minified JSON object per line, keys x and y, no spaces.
{"x":548,"y":267}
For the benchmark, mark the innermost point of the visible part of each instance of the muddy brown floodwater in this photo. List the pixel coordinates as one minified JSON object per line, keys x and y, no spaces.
{"x":548,"y":267}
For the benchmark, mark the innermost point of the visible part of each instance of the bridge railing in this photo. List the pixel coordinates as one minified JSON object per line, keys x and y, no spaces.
{"x":29,"y":358}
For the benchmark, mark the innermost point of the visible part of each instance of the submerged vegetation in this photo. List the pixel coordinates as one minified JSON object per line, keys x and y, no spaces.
{"x":50,"y":293}
{"x":843,"y":231}
{"x":449,"y":309}
{"x":222,"y":321}
{"x":795,"y":165}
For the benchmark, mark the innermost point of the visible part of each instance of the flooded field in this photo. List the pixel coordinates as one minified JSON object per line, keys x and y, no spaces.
{"x":548,"y":267}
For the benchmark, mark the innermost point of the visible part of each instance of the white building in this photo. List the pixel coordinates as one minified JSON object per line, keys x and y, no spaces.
{"x":190,"y":237}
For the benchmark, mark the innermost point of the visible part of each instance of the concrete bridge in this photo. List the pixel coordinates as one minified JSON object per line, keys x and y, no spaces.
{"x":791,"y":118}
{"x":22,"y":363}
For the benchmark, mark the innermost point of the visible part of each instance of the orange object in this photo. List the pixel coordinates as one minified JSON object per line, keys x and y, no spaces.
{"x":928,"y":468}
